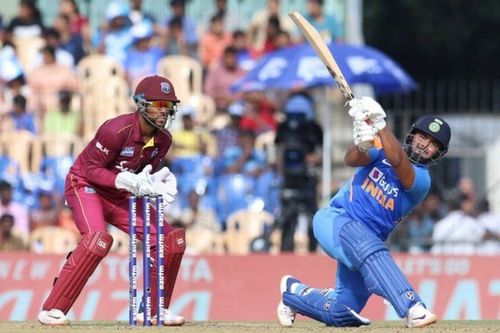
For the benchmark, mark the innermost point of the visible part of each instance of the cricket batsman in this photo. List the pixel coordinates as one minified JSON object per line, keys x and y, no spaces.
{"x":387,"y":185}
{"x":122,"y":159}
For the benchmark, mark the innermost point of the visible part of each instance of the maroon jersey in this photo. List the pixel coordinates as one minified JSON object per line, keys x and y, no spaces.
{"x":118,"y":146}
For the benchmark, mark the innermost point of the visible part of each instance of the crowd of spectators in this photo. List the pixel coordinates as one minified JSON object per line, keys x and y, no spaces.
{"x":220,"y":168}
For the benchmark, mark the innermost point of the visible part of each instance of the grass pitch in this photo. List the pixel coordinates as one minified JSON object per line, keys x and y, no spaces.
{"x":470,"y":326}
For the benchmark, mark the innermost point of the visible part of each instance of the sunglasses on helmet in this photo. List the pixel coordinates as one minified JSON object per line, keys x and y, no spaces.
{"x":161,"y":104}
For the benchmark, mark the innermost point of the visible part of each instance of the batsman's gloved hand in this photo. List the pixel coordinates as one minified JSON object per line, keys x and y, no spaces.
{"x":363,"y":135}
{"x":369,"y":110}
{"x":165,"y":184}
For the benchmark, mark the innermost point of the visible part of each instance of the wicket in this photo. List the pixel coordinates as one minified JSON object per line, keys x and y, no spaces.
{"x":147,"y":260}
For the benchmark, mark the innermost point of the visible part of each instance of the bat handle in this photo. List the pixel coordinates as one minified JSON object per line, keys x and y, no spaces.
{"x":365,"y":146}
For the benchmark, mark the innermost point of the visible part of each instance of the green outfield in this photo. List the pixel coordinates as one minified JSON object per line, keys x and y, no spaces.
{"x":470,"y":326}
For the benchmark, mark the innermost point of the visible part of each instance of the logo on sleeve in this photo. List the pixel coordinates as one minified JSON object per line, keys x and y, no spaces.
{"x":101,"y":148}
{"x":155,"y":152}
{"x":127,"y":151}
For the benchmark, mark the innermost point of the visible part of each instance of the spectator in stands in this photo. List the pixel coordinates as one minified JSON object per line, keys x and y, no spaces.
{"x":21,"y":118}
{"x":65,"y":219}
{"x":326,"y":24}
{"x":231,"y":20}
{"x":114,"y":37}
{"x":458,"y":233}
{"x":221,"y":77}
{"x":175,"y":41}
{"x":16,"y":209}
{"x":420,"y":229}
{"x":273,"y":28}
{"x":79,"y":24}
{"x":259,"y":23}
{"x":143,"y":58}
{"x":178,"y":11}
{"x":228,"y":135}
{"x":62,"y":119}
{"x":28,"y":22}
{"x":282,"y":40}
{"x":259,"y":115}
{"x":46,"y":213}
{"x":243,"y":158}
{"x":138,"y":15}
{"x":53,"y":38}
{"x":12,"y":82}
{"x":69,"y":41}
{"x":214,"y":41}
{"x":48,"y":79}
{"x":200,"y":222}
{"x":188,"y":141}
{"x":245,"y":54}
{"x":9,"y":241}
{"x":491,"y":223}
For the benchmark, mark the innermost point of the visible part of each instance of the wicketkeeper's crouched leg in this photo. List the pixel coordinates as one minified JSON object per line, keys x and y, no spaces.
{"x":79,"y":266}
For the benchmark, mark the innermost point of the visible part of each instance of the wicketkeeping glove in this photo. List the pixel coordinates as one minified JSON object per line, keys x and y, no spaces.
{"x":165,"y":184}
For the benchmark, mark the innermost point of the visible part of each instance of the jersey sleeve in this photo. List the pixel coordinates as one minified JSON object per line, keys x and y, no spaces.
{"x":374,"y":154}
{"x":104,"y":151}
{"x":421,"y":184}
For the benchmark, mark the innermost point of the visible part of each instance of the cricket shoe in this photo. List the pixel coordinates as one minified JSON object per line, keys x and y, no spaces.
{"x":419,"y":316}
{"x":54,"y":317}
{"x":286,"y":315}
{"x":169,"y":318}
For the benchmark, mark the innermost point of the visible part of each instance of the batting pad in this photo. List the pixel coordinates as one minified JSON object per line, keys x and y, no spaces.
{"x":175,"y":245}
{"x":79,"y":266}
{"x":381,"y":274}
{"x":313,"y":303}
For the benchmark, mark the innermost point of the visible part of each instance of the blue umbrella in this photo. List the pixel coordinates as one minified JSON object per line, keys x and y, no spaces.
{"x":299,"y":67}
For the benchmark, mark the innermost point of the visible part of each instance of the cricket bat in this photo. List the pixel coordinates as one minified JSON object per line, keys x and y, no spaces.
{"x":318,"y":43}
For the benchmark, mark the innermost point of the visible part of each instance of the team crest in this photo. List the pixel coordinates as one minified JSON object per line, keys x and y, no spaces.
{"x":165,"y":87}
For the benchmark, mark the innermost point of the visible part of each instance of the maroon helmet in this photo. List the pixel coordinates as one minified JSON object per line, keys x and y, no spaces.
{"x":156,"y":89}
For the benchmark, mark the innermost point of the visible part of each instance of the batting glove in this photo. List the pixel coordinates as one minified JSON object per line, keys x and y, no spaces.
{"x":363,"y":135}
{"x":367,"y":109}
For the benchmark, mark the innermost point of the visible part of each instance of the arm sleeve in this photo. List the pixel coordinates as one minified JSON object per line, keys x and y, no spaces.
{"x":374,"y":154}
{"x":421,"y":184}
{"x":104,"y":151}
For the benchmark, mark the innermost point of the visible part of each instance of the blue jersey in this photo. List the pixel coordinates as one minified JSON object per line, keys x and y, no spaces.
{"x":376,"y":197}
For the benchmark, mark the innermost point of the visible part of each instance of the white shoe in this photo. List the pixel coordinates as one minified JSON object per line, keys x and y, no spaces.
{"x":285,"y":314}
{"x":169,"y":318}
{"x":419,"y":316}
{"x":54,"y":317}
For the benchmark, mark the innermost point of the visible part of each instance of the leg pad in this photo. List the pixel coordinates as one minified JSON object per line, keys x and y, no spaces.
{"x":79,"y":266}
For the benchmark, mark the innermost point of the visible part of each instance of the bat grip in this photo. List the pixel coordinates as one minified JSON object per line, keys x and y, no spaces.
{"x":365,"y":146}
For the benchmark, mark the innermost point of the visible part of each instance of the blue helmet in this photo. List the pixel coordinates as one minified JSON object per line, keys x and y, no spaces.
{"x":436,"y":128}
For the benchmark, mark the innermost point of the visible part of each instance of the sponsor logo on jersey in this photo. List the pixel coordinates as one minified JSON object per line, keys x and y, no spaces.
{"x":101,"y":148}
{"x":88,"y":189}
{"x":127,"y":151}
{"x":380,"y":189}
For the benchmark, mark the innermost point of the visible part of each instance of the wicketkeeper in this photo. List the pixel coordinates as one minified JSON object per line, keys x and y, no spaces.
{"x":122,"y":159}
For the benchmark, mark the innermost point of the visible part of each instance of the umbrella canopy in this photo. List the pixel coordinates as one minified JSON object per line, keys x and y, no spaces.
{"x":299,"y":67}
